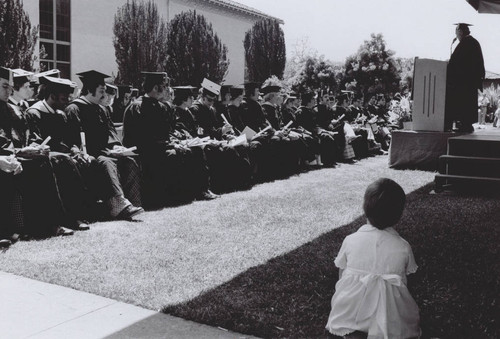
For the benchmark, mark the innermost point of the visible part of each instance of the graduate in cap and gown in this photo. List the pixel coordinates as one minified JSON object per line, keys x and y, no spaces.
{"x":287,"y":148}
{"x":23,"y":90}
{"x":172,"y":173}
{"x":185,"y":120}
{"x":465,"y":76}
{"x":229,"y":166}
{"x":90,"y":128}
{"x":75,"y":171}
{"x":307,"y":118}
{"x":29,"y":170}
{"x":122,"y":100}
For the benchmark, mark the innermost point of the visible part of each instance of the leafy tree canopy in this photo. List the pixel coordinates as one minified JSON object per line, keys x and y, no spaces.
{"x":194,"y":51}
{"x":140,"y":41}
{"x":17,"y":37}
{"x":265,"y":51}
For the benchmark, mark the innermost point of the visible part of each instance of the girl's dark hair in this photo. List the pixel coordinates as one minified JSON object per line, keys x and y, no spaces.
{"x":384,"y":203}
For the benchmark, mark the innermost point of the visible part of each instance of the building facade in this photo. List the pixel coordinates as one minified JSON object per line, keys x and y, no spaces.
{"x":77,"y":35}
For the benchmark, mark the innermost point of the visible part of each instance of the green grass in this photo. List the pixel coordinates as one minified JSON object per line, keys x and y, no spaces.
{"x":455,"y":241}
{"x":175,"y":254}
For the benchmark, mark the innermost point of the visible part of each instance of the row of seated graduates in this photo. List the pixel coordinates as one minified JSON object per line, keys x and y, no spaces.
{"x":289,"y":144}
{"x":51,"y":188}
{"x":277,"y":153}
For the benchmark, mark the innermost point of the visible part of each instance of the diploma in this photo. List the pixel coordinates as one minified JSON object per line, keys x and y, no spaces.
{"x":84,"y":144}
{"x":261,"y":132}
{"x":46,"y":141}
{"x":225,"y":120}
{"x":288,"y":125}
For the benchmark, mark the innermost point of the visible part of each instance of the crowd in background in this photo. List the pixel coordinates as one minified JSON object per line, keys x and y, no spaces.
{"x":70,"y":157}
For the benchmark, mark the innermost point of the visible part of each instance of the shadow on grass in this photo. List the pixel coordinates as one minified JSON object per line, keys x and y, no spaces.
{"x":454,"y":237}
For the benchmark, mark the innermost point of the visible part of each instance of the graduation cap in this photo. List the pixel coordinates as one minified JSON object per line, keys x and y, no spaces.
{"x":236,"y":91}
{"x":250,"y":87}
{"x":155,"y":77}
{"x":270,"y":89}
{"x":122,"y":90}
{"x":463,"y":26}
{"x":184,"y":89}
{"x":92,"y":78}
{"x":21,"y":76}
{"x":52,"y":73}
{"x":111,"y":89}
{"x":57,"y":85}
{"x":7,"y":74}
{"x":210,"y":87}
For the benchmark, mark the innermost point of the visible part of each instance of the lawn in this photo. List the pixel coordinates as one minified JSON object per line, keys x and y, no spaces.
{"x":455,"y":240}
{"x":175,"y":254}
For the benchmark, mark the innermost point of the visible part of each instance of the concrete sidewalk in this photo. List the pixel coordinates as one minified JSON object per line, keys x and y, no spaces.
{"x":34,"y":309}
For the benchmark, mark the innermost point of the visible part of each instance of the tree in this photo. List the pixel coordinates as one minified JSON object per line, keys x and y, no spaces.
{"x":373,"y":68}
{"x":265,"y":52}
{"x":17,"y":37}
{"x":405,"y":68}
{"x":194,"y":51}
{"x":140,"y":40}
{"x":316,"y":73}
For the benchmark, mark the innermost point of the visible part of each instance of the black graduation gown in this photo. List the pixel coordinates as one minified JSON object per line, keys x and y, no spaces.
{"x":42,"y":207}
{"x":120,"y":176}
{"x":206,"y":118}
{"x":75,"y":179}
{"x":252,"y":115}
{"x":465,"y":74}
{"x":307,"y":118}
{"x":170,"y":174}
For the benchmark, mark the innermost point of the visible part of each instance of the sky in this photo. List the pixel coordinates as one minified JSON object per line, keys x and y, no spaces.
{"x":411,"y":28}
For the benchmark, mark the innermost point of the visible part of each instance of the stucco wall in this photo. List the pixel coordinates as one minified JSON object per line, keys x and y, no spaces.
{"x":92,"y":36}
{"x":92,"y":32}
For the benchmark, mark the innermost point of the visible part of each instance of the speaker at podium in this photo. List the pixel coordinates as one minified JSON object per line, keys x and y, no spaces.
{"x":429,"y":95}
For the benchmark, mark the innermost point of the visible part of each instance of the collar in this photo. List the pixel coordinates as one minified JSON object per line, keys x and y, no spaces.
{"x":47,"y":106}
{"x":371,"y":228}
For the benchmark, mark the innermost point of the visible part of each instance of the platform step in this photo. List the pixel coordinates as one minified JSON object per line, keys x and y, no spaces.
{"x":486,"y":146}
{"x":442,"y":180}
{"x":469,"y":166}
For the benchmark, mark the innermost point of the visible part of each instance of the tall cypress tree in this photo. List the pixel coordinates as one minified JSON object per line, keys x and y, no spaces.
{"x":194,"y":50}
{"x":17,"y":37}
{"x":140,"y":39}
{"x":265,"y":51}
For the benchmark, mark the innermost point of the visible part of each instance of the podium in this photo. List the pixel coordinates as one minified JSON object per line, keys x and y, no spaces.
{"x":429,"y":95}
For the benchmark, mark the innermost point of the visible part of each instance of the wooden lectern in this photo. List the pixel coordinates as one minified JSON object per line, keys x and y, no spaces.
{"x":429,"y":95}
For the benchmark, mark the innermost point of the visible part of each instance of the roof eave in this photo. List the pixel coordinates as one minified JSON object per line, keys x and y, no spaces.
{"x":247,"y":12}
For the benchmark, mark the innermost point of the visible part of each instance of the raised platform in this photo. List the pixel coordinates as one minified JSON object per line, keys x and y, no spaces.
{"x":418,"y":150}
{"x":471,"y":160}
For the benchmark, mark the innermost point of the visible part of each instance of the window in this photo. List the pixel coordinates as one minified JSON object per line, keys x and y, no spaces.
{"x":55,"y":35}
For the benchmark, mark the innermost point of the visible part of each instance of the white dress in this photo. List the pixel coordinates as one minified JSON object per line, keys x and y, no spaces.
{"x":371,"y":296}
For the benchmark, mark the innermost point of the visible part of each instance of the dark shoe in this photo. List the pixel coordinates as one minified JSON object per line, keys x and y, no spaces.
{"x":63,"y":231}
{"x":129,"y":212}
{"x":4,"y":243}
{"x":207,"y":195}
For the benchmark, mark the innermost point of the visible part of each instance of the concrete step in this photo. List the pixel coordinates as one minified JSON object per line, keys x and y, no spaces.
{"x":487,"y":146}
{"x":443,"y":180}
{"x":469,"y":166}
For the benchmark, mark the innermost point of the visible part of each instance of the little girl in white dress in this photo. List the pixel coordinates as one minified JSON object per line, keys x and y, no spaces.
{"x":371,"y":299}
